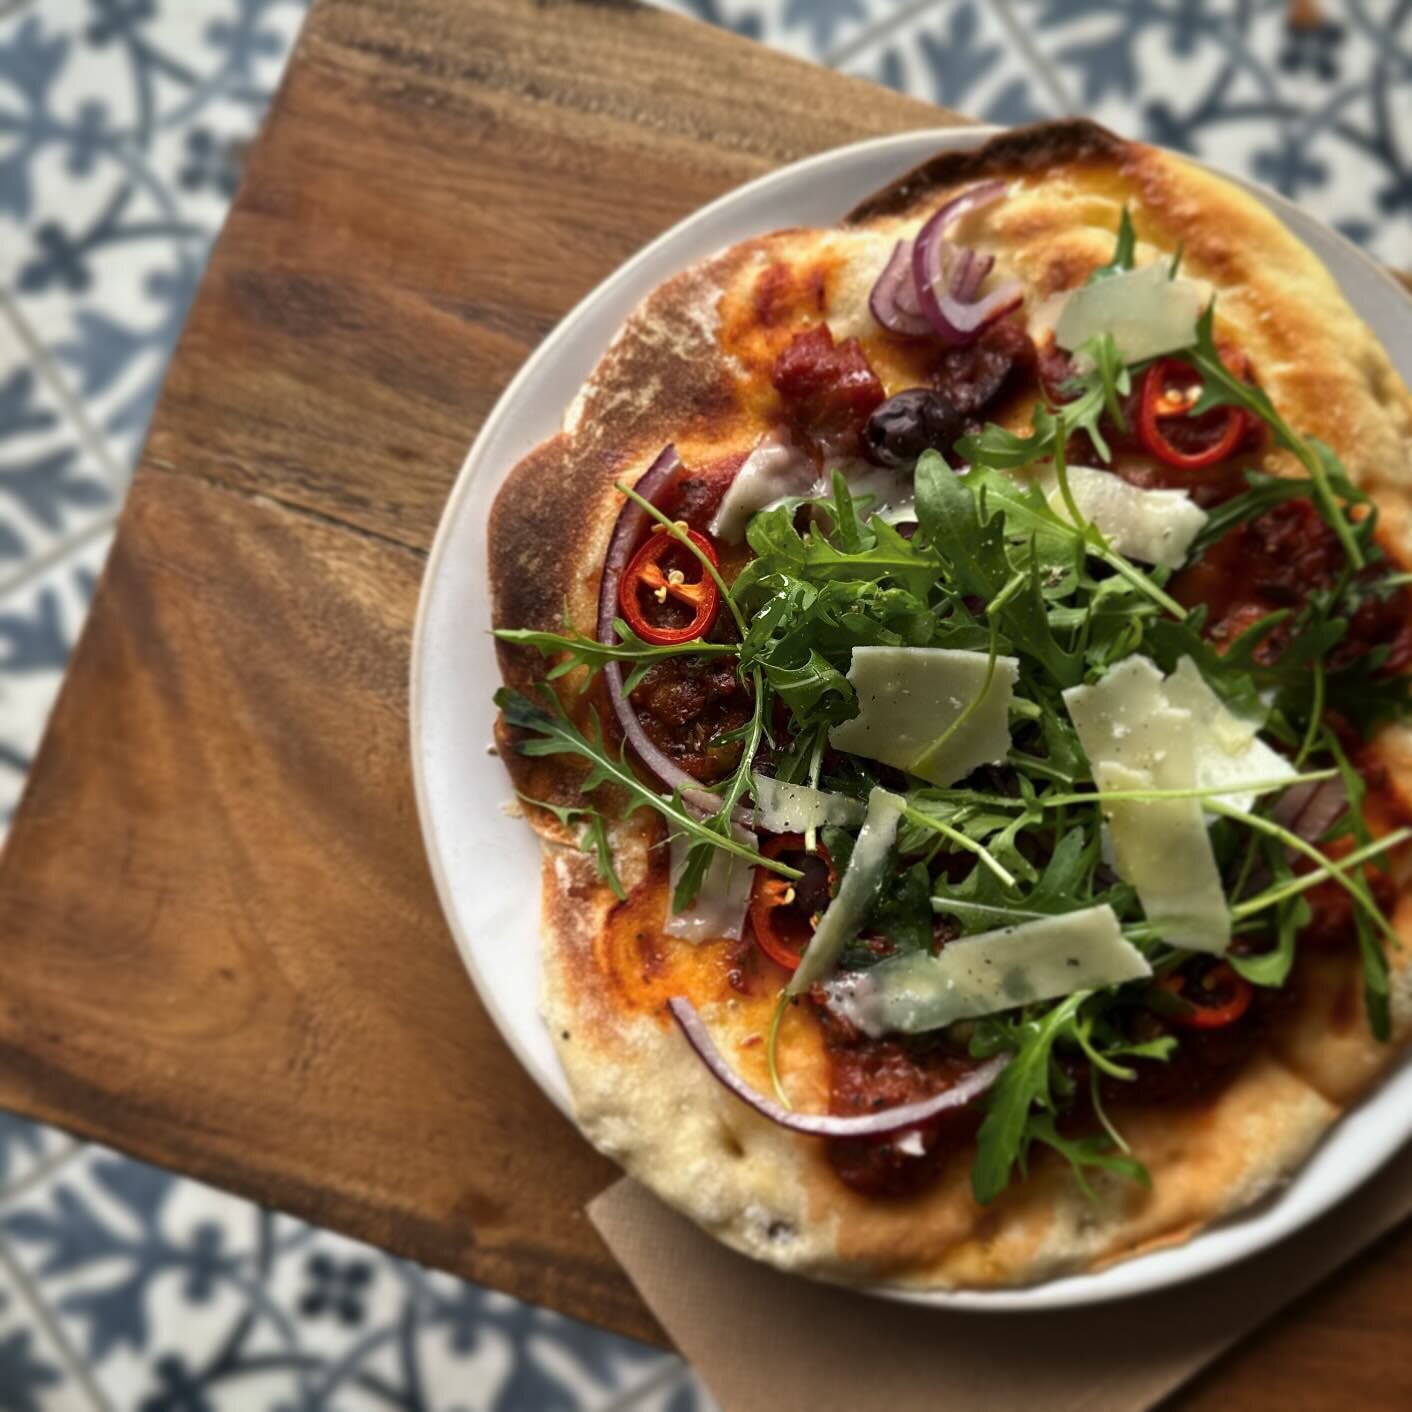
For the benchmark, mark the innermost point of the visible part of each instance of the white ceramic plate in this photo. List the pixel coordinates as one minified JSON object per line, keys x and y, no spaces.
{"x":486,"y":865}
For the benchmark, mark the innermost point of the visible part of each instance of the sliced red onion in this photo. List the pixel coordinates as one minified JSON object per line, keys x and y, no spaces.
{"x":1312,"y":808}
{"x":1290,"y":804}
{"x":881,"y":1124}
{"x":632,"y":520}
{"x":959,"y":261}
{"x":893,"y":301}
{"x":906,"y":299}
{"x":969,"y":279}
{"x":937,"y":274}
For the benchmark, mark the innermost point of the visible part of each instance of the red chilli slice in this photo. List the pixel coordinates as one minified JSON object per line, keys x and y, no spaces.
{"x":772,"y":898}
{"x":632,"y":521}
{"x":1212,"y":1017}
{"x":644,"y":575}
{"x":1163,"y":417}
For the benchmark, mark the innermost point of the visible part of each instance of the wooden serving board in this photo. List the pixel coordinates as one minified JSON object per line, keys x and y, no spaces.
{"x":222,"y":951}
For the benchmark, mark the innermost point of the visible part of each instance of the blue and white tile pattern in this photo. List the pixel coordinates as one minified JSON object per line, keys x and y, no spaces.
{"x":123,"y":125}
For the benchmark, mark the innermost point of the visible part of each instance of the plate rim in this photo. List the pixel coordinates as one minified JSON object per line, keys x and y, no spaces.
{"x":1140,"y":1275}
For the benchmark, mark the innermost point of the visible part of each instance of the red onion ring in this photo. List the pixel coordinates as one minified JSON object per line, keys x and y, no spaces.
{"x":1312,"y":808}
{"x":907,"y":291}
{"x":893,"y":301}
{"x":971,"y":276}
{"x":888,"y":1121}
{"x":632,"y":521}
{"x":954,"y":318}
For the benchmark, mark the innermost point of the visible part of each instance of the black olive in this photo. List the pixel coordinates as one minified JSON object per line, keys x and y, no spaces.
{"x":912,"y":422}
{"x":811,"y":892}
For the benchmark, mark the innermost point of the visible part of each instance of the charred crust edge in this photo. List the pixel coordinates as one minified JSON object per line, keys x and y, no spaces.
{"x":1023,"y":150}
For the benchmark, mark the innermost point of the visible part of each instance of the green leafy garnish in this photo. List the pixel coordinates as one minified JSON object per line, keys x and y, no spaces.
{"x":1222,"y":388}
{"x":722,"y":822}
{"x":1022,"y":1098}
{"x":580,"y":650}
{"x":1002,"y":561}
{"x":1087,"y":1153}
{"x":1271,"y":968}
{"x":553,"y":733}
{"x":1123,"y":253}
{"x":1113,"y":376}
{"x":592,"y":837}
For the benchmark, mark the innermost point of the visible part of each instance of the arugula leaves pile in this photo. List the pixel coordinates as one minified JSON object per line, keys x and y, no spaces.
{"x":993,"y":567}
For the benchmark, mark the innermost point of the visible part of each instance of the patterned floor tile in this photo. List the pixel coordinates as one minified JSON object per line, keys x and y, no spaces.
{"x":682,"y":1392}
{"x":177,"y":1296}
{"x":1313,"y":98}
{"x":822,"y":30}
{"x":27,"y":1149}
{"x":35,"y":1376}
{"x":959,"y":54}
{"x":122,"y":128}
{"x":39,"y":624}
{"x":53,"y":484}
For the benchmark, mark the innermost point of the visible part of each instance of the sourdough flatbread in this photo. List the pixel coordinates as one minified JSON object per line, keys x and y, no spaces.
{"x":691,"y":366}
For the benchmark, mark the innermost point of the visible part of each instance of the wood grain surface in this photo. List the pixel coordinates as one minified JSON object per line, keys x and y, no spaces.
{"x":222,"y":948}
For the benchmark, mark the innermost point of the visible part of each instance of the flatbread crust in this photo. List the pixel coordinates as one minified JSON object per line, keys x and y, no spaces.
{"x":691,"y":366}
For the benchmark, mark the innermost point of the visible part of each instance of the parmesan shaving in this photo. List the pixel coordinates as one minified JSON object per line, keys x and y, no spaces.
{"x":997,"y":970}
{"x":929,"y":710}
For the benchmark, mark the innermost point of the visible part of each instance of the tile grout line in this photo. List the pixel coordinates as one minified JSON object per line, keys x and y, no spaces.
{"x":77,"y":1367}
{"x":56,"y":553}
{"x":673,"y":1370}
{"x":1034,"y":57}
{"x":851,"y":48}
{"x":41,"y":1171}
{"x":93,"y":443}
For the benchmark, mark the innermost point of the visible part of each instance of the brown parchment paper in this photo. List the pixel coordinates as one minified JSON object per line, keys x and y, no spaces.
{"x":769,"y":1342}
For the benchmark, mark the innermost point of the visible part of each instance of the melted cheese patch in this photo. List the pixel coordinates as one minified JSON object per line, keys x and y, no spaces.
{"x":1146,"y":311}
{"x":928,"y":710}
{"x":793,"y":808}
{"x":774,"y":470}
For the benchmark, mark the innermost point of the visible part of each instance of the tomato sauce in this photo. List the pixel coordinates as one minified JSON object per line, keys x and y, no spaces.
{"x":868,"y":1075}
{"x":685,"y":703}
{"x":1275,"y":562}
{"x":1199,"y":1068}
